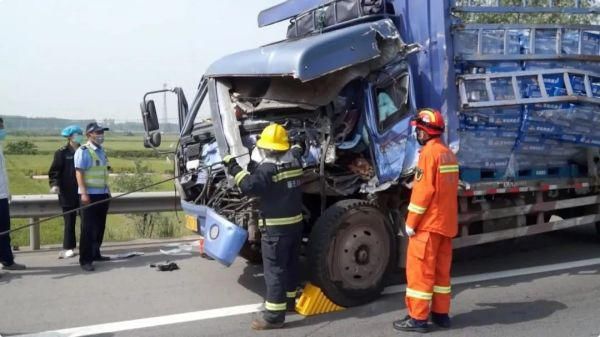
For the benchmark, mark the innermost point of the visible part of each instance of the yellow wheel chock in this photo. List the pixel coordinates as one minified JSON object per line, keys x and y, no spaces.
{"x":314,"y":302}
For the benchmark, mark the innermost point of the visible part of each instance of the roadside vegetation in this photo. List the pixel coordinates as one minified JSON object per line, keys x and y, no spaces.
{"x":28,"y":157}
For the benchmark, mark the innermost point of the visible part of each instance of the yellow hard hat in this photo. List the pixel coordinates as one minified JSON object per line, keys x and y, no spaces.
{"x":274,"y":137}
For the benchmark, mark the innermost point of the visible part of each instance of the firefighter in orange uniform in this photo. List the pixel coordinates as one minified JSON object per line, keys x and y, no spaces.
{"x":431,"y":224}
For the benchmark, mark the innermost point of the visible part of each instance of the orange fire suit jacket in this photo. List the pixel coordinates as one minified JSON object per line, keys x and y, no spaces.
{"x":433,"y":204}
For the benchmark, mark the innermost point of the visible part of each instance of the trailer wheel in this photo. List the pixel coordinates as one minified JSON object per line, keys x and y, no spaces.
{"x":351,"y":248}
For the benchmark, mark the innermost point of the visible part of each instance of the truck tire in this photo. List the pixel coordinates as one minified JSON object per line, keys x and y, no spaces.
{"x":251,"y":253}
{"x":351,"y":248}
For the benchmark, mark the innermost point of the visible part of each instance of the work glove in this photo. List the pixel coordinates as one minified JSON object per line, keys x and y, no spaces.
{"x":232,"y":165}
{"x":409,"y":231}
{"x":229,"y":162}
{"x":54,"y":190}
{"x":227,"y":159}
{"x":297,"y":151}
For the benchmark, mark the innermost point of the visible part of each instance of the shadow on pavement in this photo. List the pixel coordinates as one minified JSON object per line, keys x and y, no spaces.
{"x":152,"y":256}
{"x":507,"y":313}
{"x":491,"y":313}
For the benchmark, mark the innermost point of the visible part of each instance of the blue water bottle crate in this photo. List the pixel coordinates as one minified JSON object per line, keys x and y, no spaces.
{"x":223,"y":239}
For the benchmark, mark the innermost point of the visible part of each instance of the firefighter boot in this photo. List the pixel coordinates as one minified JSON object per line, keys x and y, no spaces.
{"x":291,"y":305}
{"x":411,"y":324}
{"x":441,"y":320}
{"x":260,"y":323}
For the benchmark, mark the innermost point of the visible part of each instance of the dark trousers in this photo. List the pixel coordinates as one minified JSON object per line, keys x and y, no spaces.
{"x":280,"y":255}
{"x":93,"y":223}
{"x":69,"y":241}
{"x":6,"y":255}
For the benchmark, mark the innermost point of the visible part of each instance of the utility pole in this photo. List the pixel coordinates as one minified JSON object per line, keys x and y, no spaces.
{"x":165,"y":115}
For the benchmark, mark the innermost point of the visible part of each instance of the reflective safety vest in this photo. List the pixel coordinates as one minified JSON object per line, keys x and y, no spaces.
{"x":97,"y":175}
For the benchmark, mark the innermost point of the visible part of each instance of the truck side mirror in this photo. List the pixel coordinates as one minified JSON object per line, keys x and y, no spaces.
{"x":152,"y":137}
{"x":152,"y":140}
{"x":149,"y":116}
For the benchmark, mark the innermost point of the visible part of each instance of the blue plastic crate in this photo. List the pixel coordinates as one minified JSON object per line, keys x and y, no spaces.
{"x":474,"y":175}
{"x":542,"y":172}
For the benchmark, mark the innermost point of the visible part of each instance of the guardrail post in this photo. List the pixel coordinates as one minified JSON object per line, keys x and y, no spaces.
{"x":34,"y":234}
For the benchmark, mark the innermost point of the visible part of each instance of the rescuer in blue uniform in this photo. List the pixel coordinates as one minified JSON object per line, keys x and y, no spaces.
{"x":92,"y":168}
{"x":276,"y":181}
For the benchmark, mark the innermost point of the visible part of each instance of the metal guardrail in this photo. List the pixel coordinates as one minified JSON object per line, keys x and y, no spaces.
{"x":526,"y":6}
{"x":35,"y":207}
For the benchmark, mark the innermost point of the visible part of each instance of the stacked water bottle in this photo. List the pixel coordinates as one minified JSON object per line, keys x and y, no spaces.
{"x":534,"y":140}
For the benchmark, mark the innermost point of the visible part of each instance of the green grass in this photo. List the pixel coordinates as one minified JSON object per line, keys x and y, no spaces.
{"x":118,"y":228}
{"x":47,"y":144}
{"x":21,"y":168}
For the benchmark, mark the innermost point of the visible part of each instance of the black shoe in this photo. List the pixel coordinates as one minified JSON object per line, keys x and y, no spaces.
{"x":87,"y":267}
{"x":102,"y":258}
{"x":262,"y":324}
{"x":14,"y":266}
{"x":291,"y":306}
{"x":410,"y":324}
{"x":441,"y":320}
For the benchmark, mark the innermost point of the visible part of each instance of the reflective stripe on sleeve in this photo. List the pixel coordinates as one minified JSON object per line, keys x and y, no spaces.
{"x":287,"y":174}
{"x":418,"y":294}
{"x":290,"y":294}
{"x":275,"y":306}
{"x":238,"y":177}
{"x":416,"y":209}
{"x":448,"y":168}
{"x":442,"y":290}
{"x":283,"y":221}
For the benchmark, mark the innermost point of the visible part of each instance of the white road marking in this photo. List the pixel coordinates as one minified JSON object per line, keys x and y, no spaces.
{"x":507,"y":273}
{"x":252,"y":308}
{"x":151,"y":322}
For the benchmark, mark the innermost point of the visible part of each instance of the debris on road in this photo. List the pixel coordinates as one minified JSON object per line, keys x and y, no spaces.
{"x":167,"y":266}
{"x":127,"y":255}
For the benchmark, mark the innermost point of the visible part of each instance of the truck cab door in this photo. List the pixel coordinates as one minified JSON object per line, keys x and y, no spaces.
{"x":389,"y":107}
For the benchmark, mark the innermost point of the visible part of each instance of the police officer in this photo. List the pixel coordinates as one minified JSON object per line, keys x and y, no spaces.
{"x":431,"y":224}
{"x":63,"y":182}
{"x":91,"y":166}
{"x":6,"y":255}
{"x":276,"y":181}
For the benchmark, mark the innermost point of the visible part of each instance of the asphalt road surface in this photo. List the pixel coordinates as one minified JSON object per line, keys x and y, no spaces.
{"x":547,"y":285}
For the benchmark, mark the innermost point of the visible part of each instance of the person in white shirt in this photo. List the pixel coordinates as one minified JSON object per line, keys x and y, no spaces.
{"x":6,"y":256}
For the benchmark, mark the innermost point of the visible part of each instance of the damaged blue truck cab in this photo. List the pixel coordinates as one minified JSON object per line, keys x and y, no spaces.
{"x":345,"y":83}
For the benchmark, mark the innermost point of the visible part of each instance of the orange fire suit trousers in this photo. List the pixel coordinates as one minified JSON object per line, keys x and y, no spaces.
{"x":428,"y":274}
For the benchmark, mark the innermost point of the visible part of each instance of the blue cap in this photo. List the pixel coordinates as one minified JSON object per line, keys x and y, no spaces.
{"x":70,"y":130}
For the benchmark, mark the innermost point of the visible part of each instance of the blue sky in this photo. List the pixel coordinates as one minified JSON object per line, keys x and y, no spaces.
{"x":96,"y":58}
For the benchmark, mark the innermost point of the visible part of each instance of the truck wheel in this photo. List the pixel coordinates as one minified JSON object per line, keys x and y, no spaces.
{"x":351,"y":248}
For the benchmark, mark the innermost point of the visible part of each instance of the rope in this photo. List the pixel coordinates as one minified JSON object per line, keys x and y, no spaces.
{"x":7,"y":232}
